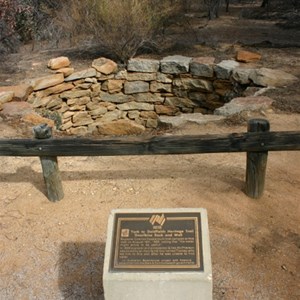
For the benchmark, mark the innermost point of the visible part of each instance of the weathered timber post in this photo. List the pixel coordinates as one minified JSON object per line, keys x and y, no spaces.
{"x":49,"y":166}
{"x":256,"y":162}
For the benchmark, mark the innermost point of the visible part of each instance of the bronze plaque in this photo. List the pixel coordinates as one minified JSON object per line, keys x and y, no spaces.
{"x":157,"y":242}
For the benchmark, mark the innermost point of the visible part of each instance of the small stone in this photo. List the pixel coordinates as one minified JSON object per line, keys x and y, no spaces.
{"x":91,"y":72}
{"x":116,"y":98}
{"x":224,"y":69}
{"x":141,"y":76}
{"x":110,"y":116}
{"x":66,"y":126}
{"x":114,"y":85}
{"x":57,"y":89}
{"x":241,"y":75}
{"x":104,"y":65}
{"x":148,"y":115}
{"x":78,"y":101}
{"x":58,"y":63}
{"x":175,"y":64}
{"x":164,"y":78}
{"x":82,"y":118}
{"x":134,"y":114}
{"x":54,"y":103}
{"x":148,"y":98}
{"x":159,"y":87}
{"x":166,"y":110}
{"x":134,"y":87}
{"x":143,"y":65}
{"x":98,"y":111}
{"x":202,"y":66}
{"x":65,"y":71}
{"x":79,"y":131}
{"x":75,"y":94}
{"x":152,"y":123}
{"x":247,"y":56}
{"x":135,"y":106}
{"x":47,"y":81}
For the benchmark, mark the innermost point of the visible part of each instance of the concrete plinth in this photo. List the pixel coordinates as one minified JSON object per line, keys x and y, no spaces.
{"x":173,"y":272}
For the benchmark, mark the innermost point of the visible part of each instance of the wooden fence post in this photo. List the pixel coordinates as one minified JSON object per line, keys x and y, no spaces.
{"x":49,"y":166}
{"x":256,"y":162}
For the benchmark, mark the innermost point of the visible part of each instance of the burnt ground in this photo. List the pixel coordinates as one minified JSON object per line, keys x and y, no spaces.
{"x":55,"y":250}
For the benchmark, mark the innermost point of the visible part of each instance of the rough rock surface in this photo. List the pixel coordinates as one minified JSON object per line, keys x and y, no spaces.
{"x":58,"y":63}
{"x":121,"y":127}
{"x":238,"y":105}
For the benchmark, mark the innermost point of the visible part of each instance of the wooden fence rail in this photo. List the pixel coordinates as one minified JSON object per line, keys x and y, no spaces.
{"x":256,"y":142}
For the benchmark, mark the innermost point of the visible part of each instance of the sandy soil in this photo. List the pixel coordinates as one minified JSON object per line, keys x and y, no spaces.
{"x":55,"y":250}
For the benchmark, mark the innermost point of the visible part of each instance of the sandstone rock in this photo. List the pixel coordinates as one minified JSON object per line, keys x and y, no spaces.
{"x":247,"y":56}
{"x":78,"y":101}
{"x":111,"y":116}
{"x":66,"y":126}
{"x":91,"y":72}
{"x":68,"y":115}
{"x":91,"y":80}
{"x":81,"y":118}
{"x":180,"y":102}
{"x":270,"y":77}
{"x":54,"y":103}
{"x":84,"y":86}
{"x":224,"y":69}
{"x":104,"y":65}
{"x":197,"y":96}
{"x":75,"y":94}
{"x":47,"y":81}
{"x":116,"y":98}
{"x":148,"y":98}
{"x":193,"y":84}
{"x":21,"y":92}
{"x":241,"y":75}
{"x":122,"y":74}
{"x":202,"y":66}
{"x":79,"y":131}
{"x":133,"y":114}
{"x":143,"y":65}
{"x":58,"y":63}
{"x":166,"y":110}
{"x":93,"y":105}
{"x":164,"y":78}
{"x":121,"y":127}
{"x":240,"y":104}
{"x":134,"y":87}
{"x":65,"y":71}
{"x":175,"y":64}
{"x":41,"y":102}
{"x":98,"y":111}
{"x":6,"y":97}
{"x":135,"y":106}
{"x":36,"y":119}
{"x":57,"y":89}
{"x":152,"y":123}
{"x":197,"y":118}
{"x":114,"y":85}
{"x":148,"y":115}
{"x":16,"y":108}
{"x":156,"y":87}
{"x":141,"y":76}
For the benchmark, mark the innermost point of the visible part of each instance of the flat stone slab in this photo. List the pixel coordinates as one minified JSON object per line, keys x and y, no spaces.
{"x":175,"y":64}
{"x":241,"y":104}
{"x":183,"y":119}
{"x":157,"y":254}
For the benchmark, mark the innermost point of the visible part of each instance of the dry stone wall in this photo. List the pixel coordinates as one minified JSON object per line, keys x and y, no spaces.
{"x":110,"y":100}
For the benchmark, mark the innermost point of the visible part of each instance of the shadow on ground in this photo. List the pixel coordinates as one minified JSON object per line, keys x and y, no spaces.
{"x":80,"y":270}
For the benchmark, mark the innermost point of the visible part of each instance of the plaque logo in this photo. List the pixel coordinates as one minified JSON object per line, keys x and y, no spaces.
{"x":160,"y":220}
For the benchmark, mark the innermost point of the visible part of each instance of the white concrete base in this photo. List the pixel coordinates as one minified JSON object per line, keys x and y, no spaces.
{"x":158,"y":285}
